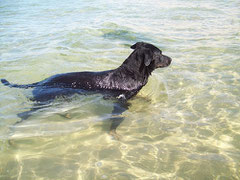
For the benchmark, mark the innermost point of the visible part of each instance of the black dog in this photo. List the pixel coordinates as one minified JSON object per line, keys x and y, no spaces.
{"x":121,"y":83}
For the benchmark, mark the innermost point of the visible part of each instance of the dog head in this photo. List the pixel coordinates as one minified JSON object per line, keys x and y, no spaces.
{"x":150,"y":56}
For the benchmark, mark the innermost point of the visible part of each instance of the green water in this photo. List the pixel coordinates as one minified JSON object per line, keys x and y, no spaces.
{"x":184,"y":124}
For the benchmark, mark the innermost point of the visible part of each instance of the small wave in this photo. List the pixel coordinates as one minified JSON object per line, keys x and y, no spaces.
{"x":114,"y":31}
{"x":155,"y":90}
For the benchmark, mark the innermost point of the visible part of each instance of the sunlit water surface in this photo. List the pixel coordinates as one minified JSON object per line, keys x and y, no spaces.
{"x":185,"y":124}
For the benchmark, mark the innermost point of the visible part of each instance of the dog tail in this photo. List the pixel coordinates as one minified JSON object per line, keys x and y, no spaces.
{"x":25,"y":86}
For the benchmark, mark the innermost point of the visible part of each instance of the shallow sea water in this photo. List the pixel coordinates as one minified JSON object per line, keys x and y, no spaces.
{"x":184,"y":124}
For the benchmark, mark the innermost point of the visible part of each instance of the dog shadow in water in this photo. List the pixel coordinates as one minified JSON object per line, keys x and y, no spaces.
{"x":113,"y":109}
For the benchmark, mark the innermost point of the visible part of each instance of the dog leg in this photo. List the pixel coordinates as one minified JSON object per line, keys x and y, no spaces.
{"x":26,"y":114}
{"x":117,"y":118}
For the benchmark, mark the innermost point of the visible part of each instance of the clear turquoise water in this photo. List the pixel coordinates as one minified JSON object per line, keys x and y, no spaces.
{"x":185,"y":124}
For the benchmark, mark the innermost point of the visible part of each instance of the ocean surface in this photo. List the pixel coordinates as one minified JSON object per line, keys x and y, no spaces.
{"x":183,"y":125}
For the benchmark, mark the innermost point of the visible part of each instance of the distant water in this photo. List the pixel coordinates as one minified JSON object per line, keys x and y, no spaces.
{"x":185,"y":124}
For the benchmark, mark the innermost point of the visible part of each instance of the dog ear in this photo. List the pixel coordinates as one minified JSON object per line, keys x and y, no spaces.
{"x":148,"y":57}
{"x":145,"y":55}
{"x":137,"y":45}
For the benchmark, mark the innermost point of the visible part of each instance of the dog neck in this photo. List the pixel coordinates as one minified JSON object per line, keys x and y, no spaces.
{"x":131,"y":76}
{"x":136,"y":68}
